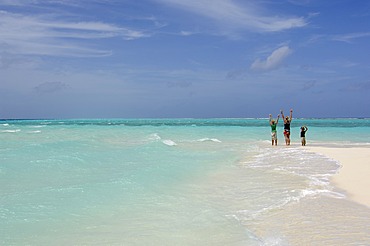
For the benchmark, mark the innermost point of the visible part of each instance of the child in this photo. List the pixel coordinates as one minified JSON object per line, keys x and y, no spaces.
{"x":304,"y":129}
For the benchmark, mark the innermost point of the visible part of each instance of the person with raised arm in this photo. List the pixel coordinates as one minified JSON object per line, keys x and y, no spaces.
{"x":287,"y":121}
{"x":273,"y":125}
{"x":304,"y":129}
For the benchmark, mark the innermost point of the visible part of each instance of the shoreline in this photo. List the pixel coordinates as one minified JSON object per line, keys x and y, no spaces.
{"x":353,"y":176}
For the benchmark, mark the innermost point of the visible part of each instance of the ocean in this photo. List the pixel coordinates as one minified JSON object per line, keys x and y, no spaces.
{"x":175,"y":182}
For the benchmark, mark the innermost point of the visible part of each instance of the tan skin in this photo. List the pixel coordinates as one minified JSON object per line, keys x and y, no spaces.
{"x":287,"y":119}
{"x":272,"y":122}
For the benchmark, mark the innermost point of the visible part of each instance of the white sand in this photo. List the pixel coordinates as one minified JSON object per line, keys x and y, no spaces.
{"x":354,"y":174}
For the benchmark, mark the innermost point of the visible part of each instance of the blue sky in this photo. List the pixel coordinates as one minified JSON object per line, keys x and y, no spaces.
{"x":176,"y":58}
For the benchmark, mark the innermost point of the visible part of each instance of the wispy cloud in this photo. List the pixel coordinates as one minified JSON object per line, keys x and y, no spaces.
{"x":46,"y":35}
{"x":351,"y":36}
{"x":179,"y":84}
{"x":273,"y":61}
{"x":50,"y":87}
{"x":345,"y":37}
{"x":364,"y":86}
{"x":300,"y":2}
{"x":187,"y":33}
{"x":308,"y":85}
{"x":229,"y":13}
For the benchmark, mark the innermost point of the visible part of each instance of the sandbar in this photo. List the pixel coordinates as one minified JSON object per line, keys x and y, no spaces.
{"x":354,"y":174}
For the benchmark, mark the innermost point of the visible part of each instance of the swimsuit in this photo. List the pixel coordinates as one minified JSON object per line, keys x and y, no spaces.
{"x":287,"y":126}
{"x":287,"y":129}
{"x":273,"y":132}
{"x":273,"y":127}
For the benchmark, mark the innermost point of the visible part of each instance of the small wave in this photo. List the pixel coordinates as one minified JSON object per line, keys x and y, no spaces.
{"x":154,"y":137}
{"x":169,"y":142}
{"x":11,"y":131}
{"x":209,"y":139}
{"x":34,"y":131}
{"x":273,"y":241}
{"x":5,"y":124}
{"x":292,"y":196}
{"x":315,"y":192}
{"x":38,"y":126}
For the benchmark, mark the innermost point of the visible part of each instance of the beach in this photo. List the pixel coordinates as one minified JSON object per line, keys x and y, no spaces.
{"x":353,"y":175}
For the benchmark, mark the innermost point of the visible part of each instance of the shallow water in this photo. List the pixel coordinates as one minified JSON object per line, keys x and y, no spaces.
{"x":175,"y":182}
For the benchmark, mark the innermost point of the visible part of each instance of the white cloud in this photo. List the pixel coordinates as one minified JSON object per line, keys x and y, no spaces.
{"x":38,"y":35}
{"x":273,"y":61}
{"x":349,"y":37}
{"x":187,"y":33}
{"x":232,"y":15}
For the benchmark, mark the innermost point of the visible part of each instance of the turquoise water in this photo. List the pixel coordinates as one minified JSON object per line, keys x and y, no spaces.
{"x":173,"y":182}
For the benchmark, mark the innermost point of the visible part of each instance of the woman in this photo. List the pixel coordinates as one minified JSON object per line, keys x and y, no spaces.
{"x":287,"y":121}
{"x":273,"y":125}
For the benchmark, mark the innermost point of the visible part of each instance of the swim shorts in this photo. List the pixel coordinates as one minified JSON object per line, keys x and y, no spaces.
{"x":287,"y":133}
{"x":273,"y":136}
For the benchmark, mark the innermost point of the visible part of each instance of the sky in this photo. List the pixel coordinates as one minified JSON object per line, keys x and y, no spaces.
{"x":184,"y":59}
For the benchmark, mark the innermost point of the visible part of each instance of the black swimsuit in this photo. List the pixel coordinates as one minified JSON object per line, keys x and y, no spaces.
{"x":303,"y":133}
{"x":287,"y":127}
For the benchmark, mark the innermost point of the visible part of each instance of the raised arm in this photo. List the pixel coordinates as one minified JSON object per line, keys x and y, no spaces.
{"x":282,"y":115}
{"x":277,"y":119}
{"x":291,"y":114}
